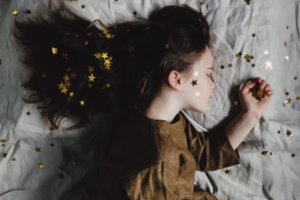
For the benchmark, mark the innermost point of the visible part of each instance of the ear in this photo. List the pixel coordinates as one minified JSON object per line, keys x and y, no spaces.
{"x":175,"y":80}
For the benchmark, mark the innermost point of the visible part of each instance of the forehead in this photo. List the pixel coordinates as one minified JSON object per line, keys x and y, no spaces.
{"x":204,"y":60}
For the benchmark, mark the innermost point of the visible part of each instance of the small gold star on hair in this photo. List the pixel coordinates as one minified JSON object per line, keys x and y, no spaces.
{"x":54,"y":50}
{"x":15,"y":12}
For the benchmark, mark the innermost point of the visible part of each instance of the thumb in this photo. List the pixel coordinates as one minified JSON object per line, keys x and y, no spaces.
{"x":247,"y":86}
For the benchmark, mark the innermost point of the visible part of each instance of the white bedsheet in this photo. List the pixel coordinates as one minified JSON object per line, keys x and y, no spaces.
{"x":232,"y":23}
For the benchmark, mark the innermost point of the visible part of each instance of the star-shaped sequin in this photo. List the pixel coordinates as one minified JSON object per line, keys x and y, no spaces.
{"x":27,"y":11}
{"x":194,"y":82}
{"x":37,"y":149}
{"x":227,"y":171}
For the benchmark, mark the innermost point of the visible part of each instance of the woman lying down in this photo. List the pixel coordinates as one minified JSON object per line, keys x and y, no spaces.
{"x":150,"y":69}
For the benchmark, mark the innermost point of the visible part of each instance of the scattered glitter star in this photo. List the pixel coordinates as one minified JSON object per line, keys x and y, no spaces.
{"x":27,"y":11}
{"x":37,"y":149}
{"x":286,"y":57}
{"x":28,"y":113}
{"x":197,"y":93}
{"x":227,"y":171}
{"x":15,"y":12}
{"x":82,"y":102}
{"x":264,"y":153}
{"x":289,"y":133}
{"x":266,"y":52}
{"x":285,"y":44}
{"x":41,"y":165}
{"x":82,"y":6}
{"x":253,"y":35}
{"x":196,"y":73}
{"x":4,"y":154}
{"x":194,"y":82}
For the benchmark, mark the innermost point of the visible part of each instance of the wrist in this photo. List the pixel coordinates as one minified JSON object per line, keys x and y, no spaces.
{"x":247,"y":115}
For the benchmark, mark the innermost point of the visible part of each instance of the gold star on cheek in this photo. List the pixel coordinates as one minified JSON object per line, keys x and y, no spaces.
{"x":82,"y":102}
{"x":71,"y":94}
{"x":91,"y":77}
{"x":4,"y":155}
{"x":54,"y":50}
{"x":41,"y":165}
{"x":15,"y":12}
{"x":37,"y":149}
{"x":285,"y":44}
{"x":227,"y":171}
{"x":235,"y":103}
{"x":97,"y":55}
{"x":288,"y":133}
{"x":264,"y":153}
{"x":13,"y":159}
{"x":194,"y":82}
{"x":44,"y":75}
{"x":28,"y":113}
{"x":167,"y":46}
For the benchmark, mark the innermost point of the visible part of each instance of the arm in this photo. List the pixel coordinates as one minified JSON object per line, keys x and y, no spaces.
{"x":239,"y":128}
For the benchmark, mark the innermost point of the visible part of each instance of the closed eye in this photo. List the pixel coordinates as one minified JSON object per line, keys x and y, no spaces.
{"x":207,"y":75}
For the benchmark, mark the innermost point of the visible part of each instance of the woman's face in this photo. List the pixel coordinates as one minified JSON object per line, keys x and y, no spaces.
{"x":197,"y":90}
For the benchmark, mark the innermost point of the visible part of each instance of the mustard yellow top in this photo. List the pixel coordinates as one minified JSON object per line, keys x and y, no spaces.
{"x":154,"y":159}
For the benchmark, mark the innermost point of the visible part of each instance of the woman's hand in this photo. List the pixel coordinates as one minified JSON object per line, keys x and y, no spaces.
{"x":249,"y":104}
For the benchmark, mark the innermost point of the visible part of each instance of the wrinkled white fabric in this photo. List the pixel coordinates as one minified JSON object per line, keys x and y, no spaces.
{"x":232,"y":23}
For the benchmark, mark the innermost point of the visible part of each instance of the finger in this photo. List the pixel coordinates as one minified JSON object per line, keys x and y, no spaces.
{"x":267,"y":87}
{"x":257,"y":79}
{"x":263,"y":84}
{"x":246,"y":87}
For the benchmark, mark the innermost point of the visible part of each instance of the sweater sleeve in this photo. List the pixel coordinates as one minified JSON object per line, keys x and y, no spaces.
{"x":155,"y":182}
{"x":212,"y":150}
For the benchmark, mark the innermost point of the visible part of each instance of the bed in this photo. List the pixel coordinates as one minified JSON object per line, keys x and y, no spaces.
{"x":249,"y":38}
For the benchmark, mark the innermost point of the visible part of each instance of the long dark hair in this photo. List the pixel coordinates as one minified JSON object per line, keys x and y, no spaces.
{"x":78,"y":69}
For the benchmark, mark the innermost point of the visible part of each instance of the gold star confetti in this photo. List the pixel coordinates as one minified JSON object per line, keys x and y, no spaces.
{"x":3,"y":145}
{"x":295,"y":77}
{"x":73,"y":75}
{"x":64,"y":90}
{"x":194,"y":82}
{"x":237,"y":55}
{"x":235,"y":103}
{"x":44,"y":75}
{"x":287,"y":101}
{"x":278,"y":132}
{"x":41,"y":165}
{"x":107,"y":85}
{"x":104,"y":55}
{"x":271,"y":153}
{"x":4,"y":155}
{"x":130,"y":48}
{"x":68,"y":69}
{"x":68,"y":84}
{"x":91,"y":68}
{"x":253,"y":35}
{"x":3,"y":141}
{"x":106,"y":62}
{"x":71,"y":94}
{"x":86,"y":42}
{"x":37,"y":149}
{"x":201,"y":3}
{"x":108,"y":36}
{"x":73,"y":163}
{"x":15,"y":12}
{"x":28,"y":113}
{"x":289,"y":133}
{"x":51,"y":133}
{"x":287,"y":27}
{"x":167,"y":46}
{"x":227,"y":171}
{"x":13,"y":159}
{"x":90,"y":85}
{"x":298,"y":98}
{"x":82,"y":6}
{"x":230,"y":65}
{"x":61,"y":86}
{"x":91,"y":77}
{"x":98,"y":55}
{"x":54,"y":50}
{"x":264,"y":153}
{"x":286,"y":57}
{"x":82,"y":102}
{"x":285,"y":44}
{"x":66,"y":78}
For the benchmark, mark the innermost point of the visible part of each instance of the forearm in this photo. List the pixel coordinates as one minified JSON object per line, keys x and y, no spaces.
{"x":239,"y":128}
